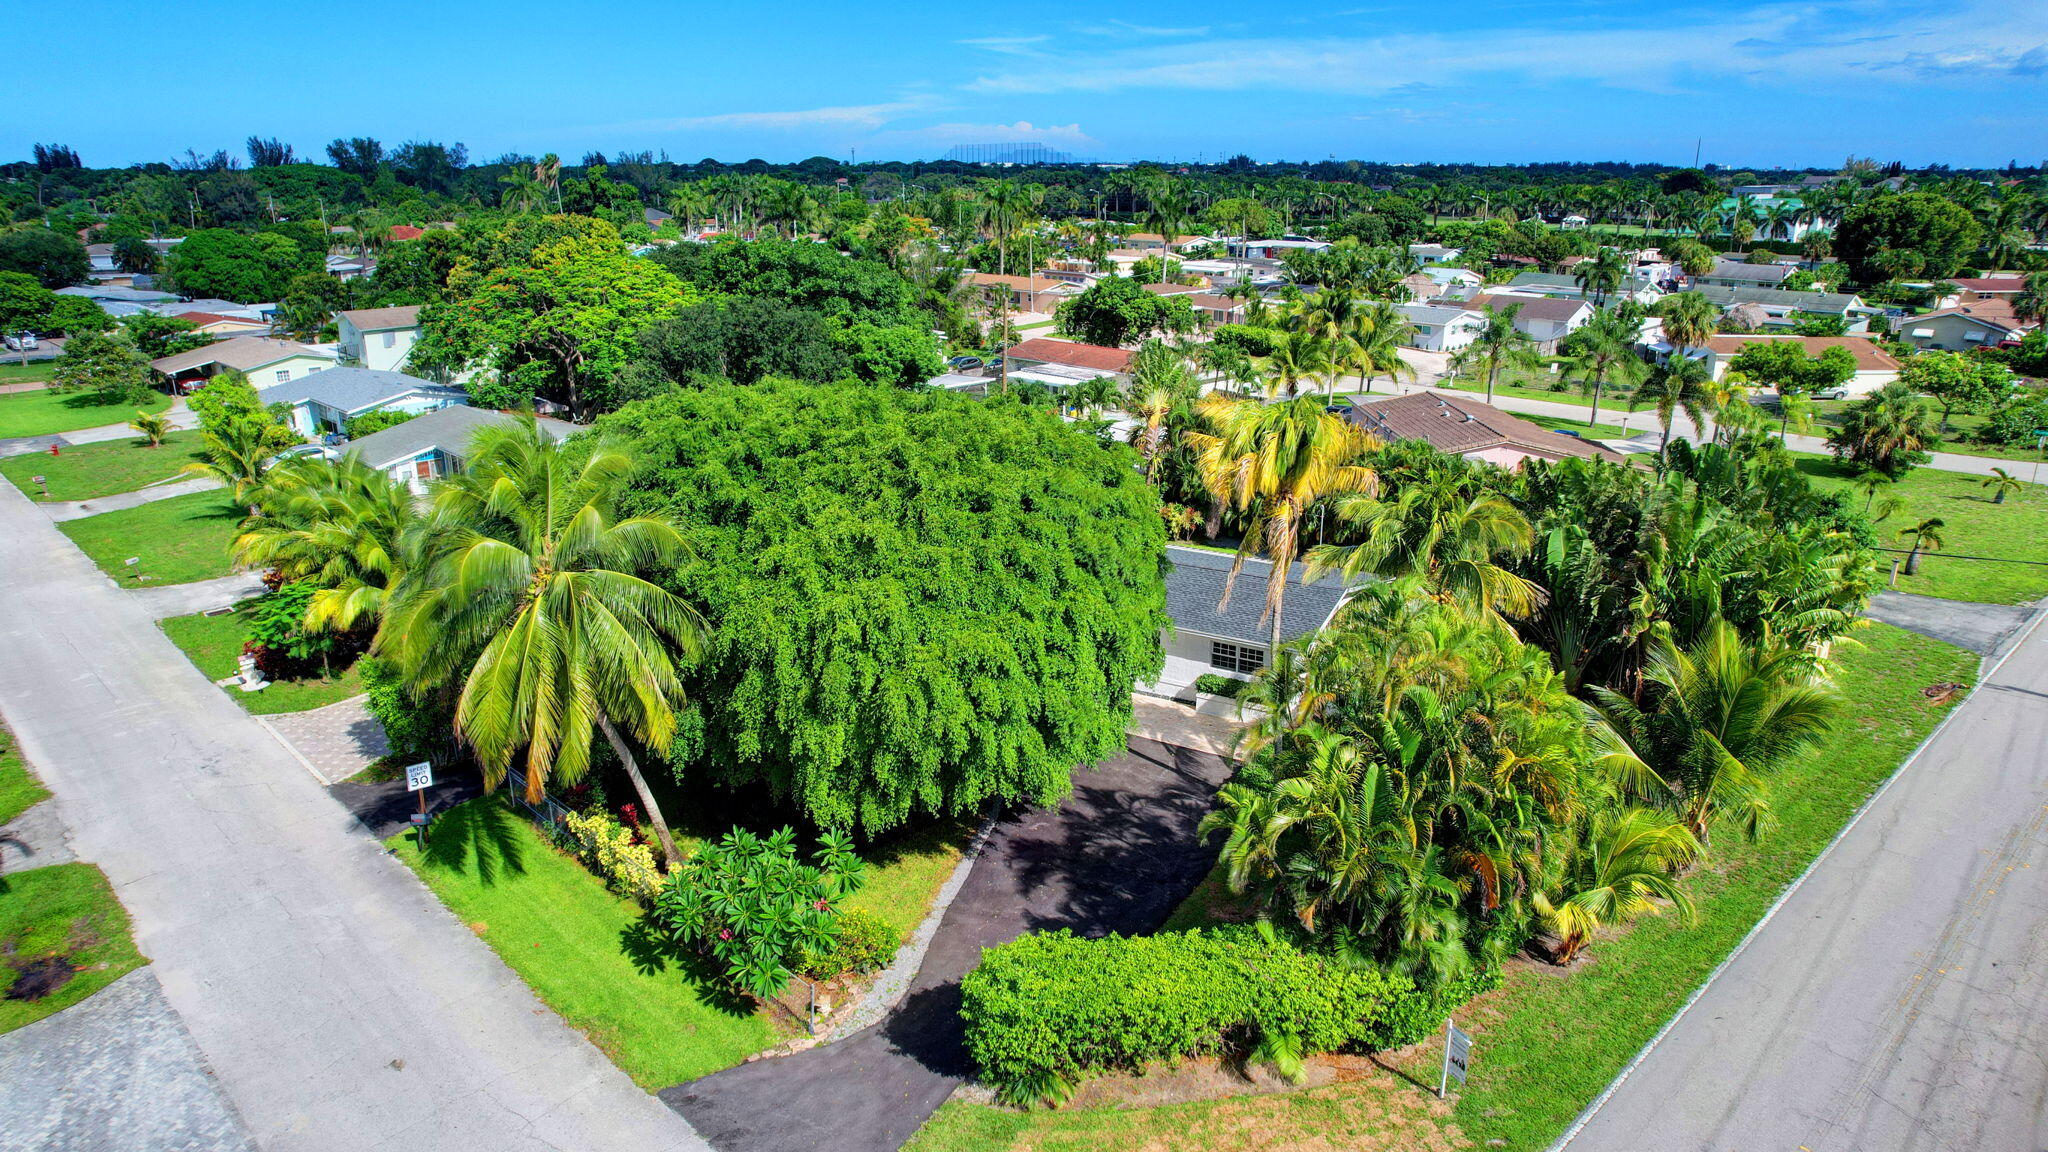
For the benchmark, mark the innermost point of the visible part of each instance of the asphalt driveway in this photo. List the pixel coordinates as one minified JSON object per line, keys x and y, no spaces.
{"x":1117,"y":856}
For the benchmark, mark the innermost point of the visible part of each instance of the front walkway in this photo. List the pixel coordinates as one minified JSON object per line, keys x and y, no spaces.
{"x":163,"y":601}
{"x":1117,"y":856}
{"x":79,"y":509}
{"x":336,"y":742}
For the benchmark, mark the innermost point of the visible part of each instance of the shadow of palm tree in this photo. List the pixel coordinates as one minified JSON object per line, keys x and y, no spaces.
{"x":481,"y":837}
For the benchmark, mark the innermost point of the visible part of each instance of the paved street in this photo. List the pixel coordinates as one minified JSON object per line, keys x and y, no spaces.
{"x":1899,"y":999}
{"x":338,"y":1003}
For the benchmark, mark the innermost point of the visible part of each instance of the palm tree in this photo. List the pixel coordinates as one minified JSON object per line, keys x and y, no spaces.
{"x":1680,"y":384}
{"x":1272,"y":463}
{"x":157,"y":425}
{"x":1604,"y":351}
{"x":237,"y":454}
{"x":1498,"y":345}
{"x":1376,"y":337}
{"x":1886,"y":430}
{"x":1626,"y":865}
{"x":1689,"y":320}
{"x":1602,"y":275}
{"x":2031,"y":302}
{"x":1926,"y":537}
{"x":2002,"y":484}
{"x":1726,"y":712}
{"x":547,"y":173}
{"x":342,"y":524}
{"x":527,"y":591}
{"x":1451,"y":537}
{"x":1296,"y":356}
{"x":1007,"y":203}
{"x":1090,"y":397}
{"x":522,"y":191}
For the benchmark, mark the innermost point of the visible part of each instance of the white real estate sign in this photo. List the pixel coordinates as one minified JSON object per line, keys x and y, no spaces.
{"x":1457,"y":1057}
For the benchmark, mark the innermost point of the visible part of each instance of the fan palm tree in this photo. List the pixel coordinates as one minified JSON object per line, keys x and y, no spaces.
{"x":1497,"y":345}
{"x":2002,"y":484}
{"x":1271,"y":463}
{"x":1726,"y":712}
{"x":1925,"y":537}
{"x":157,"y":425}
{"x":527,"y":591}
{"x":1626,"y":865}
{"x":1604,"y":352}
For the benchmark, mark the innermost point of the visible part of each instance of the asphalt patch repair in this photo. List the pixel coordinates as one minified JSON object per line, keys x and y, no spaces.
{"x":1116,"y":857}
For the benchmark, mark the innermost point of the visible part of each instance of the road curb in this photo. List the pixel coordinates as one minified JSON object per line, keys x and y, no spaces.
{"x":1986,"y":669}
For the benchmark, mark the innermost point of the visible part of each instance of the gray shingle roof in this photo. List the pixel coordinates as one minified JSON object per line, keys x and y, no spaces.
{"x":1728,"y":297}
{"x":1764,"y":275}
{"x":356,"y":389}
{"x":446,"y":429}
{"x":245,"y":353}
{"x":1430,"y":313}
{"x":1194,"y":584}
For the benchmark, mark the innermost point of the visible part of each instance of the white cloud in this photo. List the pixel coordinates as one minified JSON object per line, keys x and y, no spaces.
{"x":843,"y":116}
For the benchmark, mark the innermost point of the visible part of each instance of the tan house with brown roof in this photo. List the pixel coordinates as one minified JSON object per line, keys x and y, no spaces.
{"x":265,"y":361}
{"x":1029,"y":293}
{"x":379,"y":339}
{"x":1070,"y":354}
{"x":1974,"y":324}
{"x":1875,"y":367}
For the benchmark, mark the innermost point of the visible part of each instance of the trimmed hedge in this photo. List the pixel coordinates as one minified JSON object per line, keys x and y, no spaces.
{"x":1045,"y":1010}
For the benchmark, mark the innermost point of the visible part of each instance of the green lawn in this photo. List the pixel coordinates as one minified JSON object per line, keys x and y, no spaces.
{"x":19,"y":788}
{"x":905,"y":871}
{"x":42,"y":413}
{"x":589,"y":955}
{"x":1549,"y":1041}
{"x":212,"y":643}
{"x":65,"y":912}
{"x":90,"y":471}
{"x":1828,"y":414}
{"x":33,"y":372}
{"x":1601,"y":431}
{"x":178,"y":540}
{"x":1974,"y":526}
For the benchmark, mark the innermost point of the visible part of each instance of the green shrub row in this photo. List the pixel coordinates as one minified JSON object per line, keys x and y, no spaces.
{"x":1046,"y":1010}
{"x":1225,"y":686}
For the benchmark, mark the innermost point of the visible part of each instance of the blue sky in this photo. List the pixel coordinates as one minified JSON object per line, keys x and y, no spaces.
{"x":1800,"y":83}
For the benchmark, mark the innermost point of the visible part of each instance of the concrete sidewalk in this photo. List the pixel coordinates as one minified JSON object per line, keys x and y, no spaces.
{"x":62,"y":510}
{"x":337,"y":1001}
{"x":163,"y":601}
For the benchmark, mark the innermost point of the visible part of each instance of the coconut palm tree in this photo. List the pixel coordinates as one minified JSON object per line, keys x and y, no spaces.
{"x":1925,"y":537}
{"x":547,"y":173}
{"x":1602,"y":276}
{"x":1455,"y":539}
{"x":2002,"y":484}
{"x":1689,"y":320}
{"x":528,"y":591}
{"x":1627,"y":864}
{"x":1604,"y":352}
{"x":1888,"y":430}
{"x":1090,"y":397}
{"x":1296,"y":356}
{"x":238,"y":453}
{"x":157,"y":425}
{"x":1007,"y":204}
{"x":1680,"y":384}
{"x":1271,"y":463}
{"x":339,"y":523}
{"x":1497,"y":345}
{"x":1725,"y":713}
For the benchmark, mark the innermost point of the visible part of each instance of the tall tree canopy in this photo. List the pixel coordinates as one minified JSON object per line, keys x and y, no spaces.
{"x":920,"y":602}
{"x":54,"y":259}
{"x":240,"y":266}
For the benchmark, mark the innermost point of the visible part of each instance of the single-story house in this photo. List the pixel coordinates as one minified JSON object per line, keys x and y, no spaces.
{"x":1779,"y":304}
{"x":378,"y":338}
{"x":655,"y":217}
{"x":265,"y":361}
{"x":215,"y":324}
{"x":1441,"y":327}
{"x":1874,"y":366}
{"x":1732,"y":273}
{"x":1427,"y":254}
{"x":1213,"y":309}
{"x":104,"y":294}
{"x":1172,"y":289}
{"x":1153,"y":242}
{"x":1973,"y":288}
{"x":1566,"y":287}
{"x":434,"y":444}
{"x":400,"y":232}
{"x":1230,"y":640}
{"x":324,"y":403}
{"x":1271,"y":249}
{"x":1462,"y":283}
{"x":1544,"y":319}
{"x":1470,"y":429}
{"x":1029,"y":293}
{"x":1977,"y":324}
{"x":1094,"y":358}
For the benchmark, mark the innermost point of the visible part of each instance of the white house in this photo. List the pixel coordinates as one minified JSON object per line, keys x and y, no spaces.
{"x":1544,"y":319}
{"x":324,"y":403}
{"x":1210,"y":638}
{"x":1568,"y":288}
{"x":1459,"y":282}
{"x":1874,"y":366}
{"x":1429,"y":254}
{"x":1271,"y":249}
{"x":1737,"y":273}
{"x":378,"y":338}
{"x":1441,"y":327}
{"x":434,"y":444}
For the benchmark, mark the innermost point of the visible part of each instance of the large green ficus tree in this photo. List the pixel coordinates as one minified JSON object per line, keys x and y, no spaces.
{"x":920,"y":602}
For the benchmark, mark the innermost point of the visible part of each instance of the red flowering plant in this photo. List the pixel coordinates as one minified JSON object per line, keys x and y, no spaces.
{"x":758,"y":909}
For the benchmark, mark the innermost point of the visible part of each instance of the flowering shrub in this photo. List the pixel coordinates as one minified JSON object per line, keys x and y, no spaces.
{"x":866,"y":944}
{"x":608,"y":847}
{"x":756,"y":908}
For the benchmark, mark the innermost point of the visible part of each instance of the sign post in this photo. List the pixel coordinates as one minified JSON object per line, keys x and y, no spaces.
{"x":1457,"y":1057}
{"x":418,"y":778}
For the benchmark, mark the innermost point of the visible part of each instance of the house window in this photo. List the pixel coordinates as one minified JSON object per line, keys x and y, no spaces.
{"x":1236,"y":657}
{"x":391,"y":339}
{"x":283,"y":374}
